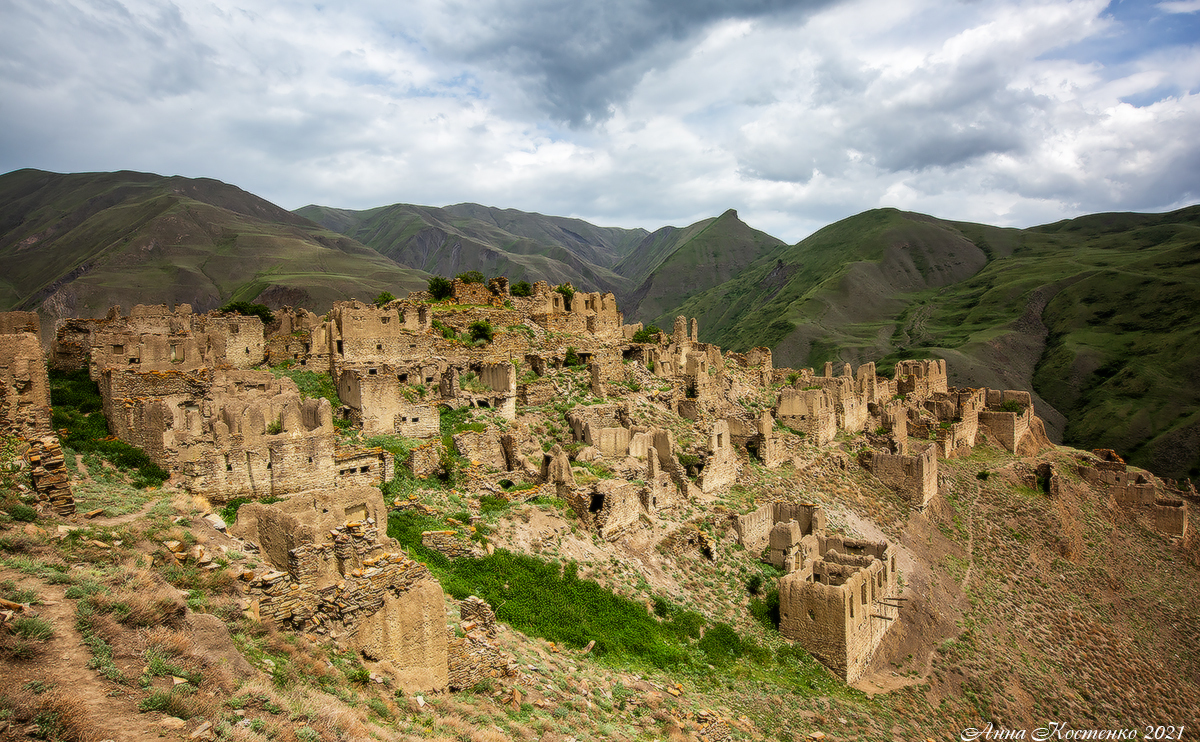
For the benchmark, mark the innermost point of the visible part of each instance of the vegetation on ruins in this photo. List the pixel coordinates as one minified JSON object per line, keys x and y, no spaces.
{"x":248,"y":309}
{"x":384,"y":298}
{"x":648,"y":334}
{"x":521,"y":288}
{"x":440,"y":287}
{"x":471,"y":277}
{"x":78,"y":412}
{"x":481,"y":331}
{"x":637,"y":591}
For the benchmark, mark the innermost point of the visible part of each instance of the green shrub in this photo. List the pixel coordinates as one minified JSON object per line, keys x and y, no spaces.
{"x":646,"y":334}
{"x":32,"y":628}
{"x":1012,"y":405}
{"x":571,"y":359}
{"x":567,"y":291}
{"x":171,"y":703}
{"x":384,"y":298}
{"x":22,"y":512}
{"x":471,"y":277}
{"x":521,"y":288}
{"x":493,"y":504}
{"x":721,"y":644}
{"x":247,"y":309}
{"x":481,"y":330}
{"x":78,"y":410}
{"x":766,"y":609}
{"x":440,"y":288}
{"x":447,"y":332}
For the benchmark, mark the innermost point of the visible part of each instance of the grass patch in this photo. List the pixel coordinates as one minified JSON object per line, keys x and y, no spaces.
{"x":78,"y":410}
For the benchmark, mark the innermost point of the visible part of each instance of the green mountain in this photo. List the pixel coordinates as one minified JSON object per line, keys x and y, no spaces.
{"x":496,"y":242}
{"x":1095,"y":315}
{"x":672,"y":264}
{"x":73,"y":245}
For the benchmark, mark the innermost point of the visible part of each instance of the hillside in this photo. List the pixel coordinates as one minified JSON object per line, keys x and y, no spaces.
{"x":1090,"y":314}
{"x":520,"y":245}
{"x":674,"y":264}
{"x":646,"y":547}
{"x":74,"y":245}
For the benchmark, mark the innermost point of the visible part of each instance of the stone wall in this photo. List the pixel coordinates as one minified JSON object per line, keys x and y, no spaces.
{"x":470,"y":293}
{"x":914,"y":477}
{"x":721,"y":466}
{"x":348,"y":579}
{"x":611,"y":506}
{"x":382,"y":404}
{"x":840,"y":606}
{"x":1171,"y":517}
{"x":807,"y":411}
{"x":1008,"y":428}
{"x":24,"y":386}
{"x":917,"y":380}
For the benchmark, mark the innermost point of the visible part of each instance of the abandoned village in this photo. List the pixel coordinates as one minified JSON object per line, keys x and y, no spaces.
{"x":195,"y":392}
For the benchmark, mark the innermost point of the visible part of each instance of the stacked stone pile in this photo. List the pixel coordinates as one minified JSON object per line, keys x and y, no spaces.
{"x":477,"y":655}
{"x":277,"y":596}
{"x":48,"y":470}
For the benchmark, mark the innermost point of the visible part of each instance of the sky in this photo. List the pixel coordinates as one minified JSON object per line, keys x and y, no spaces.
{"x":629,"y":113}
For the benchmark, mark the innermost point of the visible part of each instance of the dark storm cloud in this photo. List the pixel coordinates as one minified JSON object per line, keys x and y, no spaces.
{"x":578,"y":60}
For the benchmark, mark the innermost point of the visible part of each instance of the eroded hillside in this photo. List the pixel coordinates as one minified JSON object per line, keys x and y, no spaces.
{"x":499,"y":517}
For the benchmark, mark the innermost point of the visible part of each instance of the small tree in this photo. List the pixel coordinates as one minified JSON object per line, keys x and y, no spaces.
{"x":646,"y":334}
{"x":471,"y":277}
{"x":440,"y":288}
{"x":384,"y":298}
{"x":521,"y":288}
{"x":568,"y":292}
{"x":247,"y":309}
{"x":571,"y":359}
{"x":481,"y":330}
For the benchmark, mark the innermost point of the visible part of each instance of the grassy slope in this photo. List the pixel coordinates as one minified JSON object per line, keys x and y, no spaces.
{"x":1092,"y":314}
{"x":678,"y":264}
{"x":497,"y":242}
{"x":76,"y":244}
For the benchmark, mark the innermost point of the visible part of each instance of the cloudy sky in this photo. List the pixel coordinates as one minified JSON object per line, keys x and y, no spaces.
{"x":623,"y":112}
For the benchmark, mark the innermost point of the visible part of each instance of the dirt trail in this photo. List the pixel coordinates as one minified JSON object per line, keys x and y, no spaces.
{"x":63,"y":664}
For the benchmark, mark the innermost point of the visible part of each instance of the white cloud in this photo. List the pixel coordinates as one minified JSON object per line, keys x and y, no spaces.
{"x":795,"y":114}
{"x":1180,"y":6}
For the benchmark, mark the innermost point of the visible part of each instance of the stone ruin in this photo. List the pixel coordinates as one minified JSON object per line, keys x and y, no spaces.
{"x":25,"y":408}
{"x":333,"y":572}
{"x":182,"y":387}
{"x":839,"y":595}
{"x":1137,"y":489}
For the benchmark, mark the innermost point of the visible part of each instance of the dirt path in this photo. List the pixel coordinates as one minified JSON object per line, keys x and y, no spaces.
{"x":970,"y":516}
{"x":63,"y":664}
{"x":117,"y":520}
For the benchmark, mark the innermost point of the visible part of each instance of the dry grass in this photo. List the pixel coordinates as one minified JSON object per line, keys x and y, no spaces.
{"x":53,"y":715}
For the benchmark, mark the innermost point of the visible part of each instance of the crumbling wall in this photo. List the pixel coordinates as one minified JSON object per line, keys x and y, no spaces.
{"x":1008,"y":428}
{"x":1170,"y":517}
{"x":470,"y":293}
{"x":914,"y":477}
{"x":341,"y":575}
{"x":24,"y":386}
{"x":612,"y":506}
{"x":721,"y":465}
{"x":481,"y":448}
{"x":808,"y":411}
{"x":917,"y":380}
{"x":839,"y":609}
